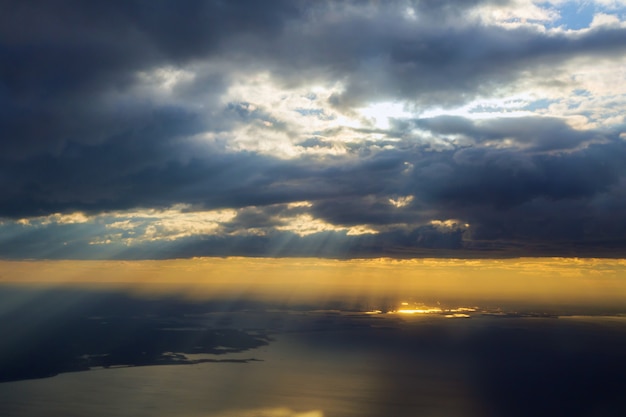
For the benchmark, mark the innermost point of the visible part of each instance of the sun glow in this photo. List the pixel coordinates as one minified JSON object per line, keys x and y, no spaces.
{"x":448,"y":312}
{"x":380,"y":114}
{"x":418,"y":310}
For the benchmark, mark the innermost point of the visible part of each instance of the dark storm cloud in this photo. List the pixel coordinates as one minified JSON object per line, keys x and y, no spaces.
{"x":552,"y":204}
{"x":57,"y":74}
{"x":215,"y":181}
{"x":573,"y":199}
{"x":432,"y":61}
{"x":556,"y":200}
{"x":61,"y":59}
{"x":85,"y":127}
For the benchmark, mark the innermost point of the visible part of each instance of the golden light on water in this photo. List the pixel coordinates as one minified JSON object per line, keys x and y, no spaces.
{"x":418,"y":308}
{"x":404,"y":309}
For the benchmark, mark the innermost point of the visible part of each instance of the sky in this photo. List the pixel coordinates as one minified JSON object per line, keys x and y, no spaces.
{"x":350,"y":208}
{"x":352,"y":129}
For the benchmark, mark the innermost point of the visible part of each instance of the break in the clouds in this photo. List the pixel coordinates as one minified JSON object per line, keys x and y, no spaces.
{"x":299,"y":128}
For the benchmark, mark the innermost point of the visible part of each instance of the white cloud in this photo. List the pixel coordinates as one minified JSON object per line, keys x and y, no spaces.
{"x":172,"y":224}
{"x":56,"y":218}
{"x":449,"y":224}
{"x":305,"y":224}
{"x":515,"y":13}
{"x":401,"y":201}
{"x":606,"y":20}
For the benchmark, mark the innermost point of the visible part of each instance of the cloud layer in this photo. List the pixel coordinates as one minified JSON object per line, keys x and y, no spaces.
{"x":339,"y":129}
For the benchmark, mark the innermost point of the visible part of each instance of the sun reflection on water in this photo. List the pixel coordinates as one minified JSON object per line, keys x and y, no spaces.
{"x":418,"y":308}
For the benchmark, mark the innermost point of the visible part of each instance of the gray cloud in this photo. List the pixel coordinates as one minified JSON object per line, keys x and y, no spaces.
{"x":531,"y":133}
{"x":87,"y":125}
